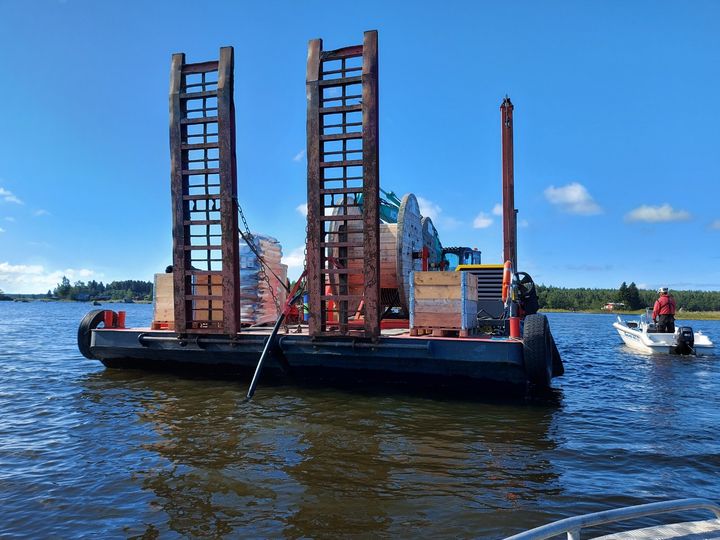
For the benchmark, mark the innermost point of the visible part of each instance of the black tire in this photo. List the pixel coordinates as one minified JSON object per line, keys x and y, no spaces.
{"x":537,"y":350}
{"x":87,"y":324}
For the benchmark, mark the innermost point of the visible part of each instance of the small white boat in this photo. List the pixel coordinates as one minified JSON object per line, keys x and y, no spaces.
{"x":640,"y":335}
{"x":572,"y":527}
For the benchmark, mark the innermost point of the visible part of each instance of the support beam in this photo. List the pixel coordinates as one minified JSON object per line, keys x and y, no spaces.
{"x":508,"y":185}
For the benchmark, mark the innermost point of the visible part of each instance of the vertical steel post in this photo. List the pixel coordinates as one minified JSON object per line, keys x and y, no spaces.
{"x":228,"y":192}
{"x":314,"y":261}
{"x":508,"y":185}
{"x":371,"y":184}
{"x":177,"y":164}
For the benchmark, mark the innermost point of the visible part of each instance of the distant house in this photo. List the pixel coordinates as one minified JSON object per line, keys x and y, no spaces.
{"x":612,"y":306}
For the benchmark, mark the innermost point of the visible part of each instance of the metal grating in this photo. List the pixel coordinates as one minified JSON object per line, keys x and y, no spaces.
{"x":204,"y":193}
{"x":342,"y":150}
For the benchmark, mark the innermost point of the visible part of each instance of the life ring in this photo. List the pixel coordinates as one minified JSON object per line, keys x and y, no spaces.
{"x":507,"y":278}
{"x":538,"y":350}
{"x":88,"y":323}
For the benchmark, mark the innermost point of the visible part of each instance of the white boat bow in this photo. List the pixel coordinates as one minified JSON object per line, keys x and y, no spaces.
{"x":640,"y":335}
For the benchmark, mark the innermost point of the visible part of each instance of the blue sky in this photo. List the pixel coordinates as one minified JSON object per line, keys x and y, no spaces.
{"x":617,"y":162}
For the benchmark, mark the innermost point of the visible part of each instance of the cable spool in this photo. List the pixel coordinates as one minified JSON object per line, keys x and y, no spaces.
{"x":431,"y":240}
{"x":409,"y":242}
{"x":400,"y":244}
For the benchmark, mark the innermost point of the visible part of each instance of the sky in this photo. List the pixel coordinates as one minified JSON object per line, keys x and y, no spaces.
{"x":617,"y":154}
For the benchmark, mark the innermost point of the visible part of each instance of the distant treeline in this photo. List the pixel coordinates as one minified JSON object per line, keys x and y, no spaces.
{"x":92,"y":290}
{"x":629,"y":295}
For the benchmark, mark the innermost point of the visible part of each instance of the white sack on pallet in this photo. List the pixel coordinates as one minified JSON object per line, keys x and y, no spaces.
{"x":256,"y":301}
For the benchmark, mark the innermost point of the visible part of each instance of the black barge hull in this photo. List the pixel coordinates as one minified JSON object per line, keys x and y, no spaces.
{"x":393,"y":359}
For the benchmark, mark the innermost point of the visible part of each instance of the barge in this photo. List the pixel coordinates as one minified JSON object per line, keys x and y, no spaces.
{"x":381,"y":302}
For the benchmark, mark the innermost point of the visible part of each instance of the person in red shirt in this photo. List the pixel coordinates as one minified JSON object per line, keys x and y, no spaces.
{"x":664,"y":311}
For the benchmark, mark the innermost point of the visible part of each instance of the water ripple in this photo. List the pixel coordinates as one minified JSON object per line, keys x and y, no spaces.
{"x":86,"y":451}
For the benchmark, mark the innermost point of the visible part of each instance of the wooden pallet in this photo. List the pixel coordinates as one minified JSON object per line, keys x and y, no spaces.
{"x":443,"y":332}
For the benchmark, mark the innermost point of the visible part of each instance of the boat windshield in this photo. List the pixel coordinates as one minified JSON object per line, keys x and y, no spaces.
{"x":646,"y":318}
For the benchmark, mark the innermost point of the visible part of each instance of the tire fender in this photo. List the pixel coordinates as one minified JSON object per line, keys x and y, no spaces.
{"x":538,"y":350}
{"x":87,"y":324}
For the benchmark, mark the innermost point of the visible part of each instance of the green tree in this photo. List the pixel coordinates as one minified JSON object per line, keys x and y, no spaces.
{"x":64,"y":289}
{"x":633,"y":297}
{"x":622,"y":295}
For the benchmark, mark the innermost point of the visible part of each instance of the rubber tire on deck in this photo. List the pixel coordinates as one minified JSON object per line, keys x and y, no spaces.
{"x":87,"y":324}
{"x":538,"y":350}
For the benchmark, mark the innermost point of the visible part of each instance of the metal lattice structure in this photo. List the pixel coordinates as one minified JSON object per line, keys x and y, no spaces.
{"x":343,"y":169}
{"x":204,"y":196}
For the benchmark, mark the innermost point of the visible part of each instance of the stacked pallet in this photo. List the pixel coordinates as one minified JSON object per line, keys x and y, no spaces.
{"x":163,"y":302}
{"x":443,"y":303}
{"x":257,"y":305}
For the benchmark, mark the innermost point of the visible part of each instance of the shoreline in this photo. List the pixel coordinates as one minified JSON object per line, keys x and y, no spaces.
{"x":683,"y":315}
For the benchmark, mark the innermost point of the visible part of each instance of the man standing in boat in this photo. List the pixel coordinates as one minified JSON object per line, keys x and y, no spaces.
{"x":664,"y":311}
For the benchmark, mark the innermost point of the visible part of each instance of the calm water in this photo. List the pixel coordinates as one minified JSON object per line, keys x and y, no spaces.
{"x":86,"y":451}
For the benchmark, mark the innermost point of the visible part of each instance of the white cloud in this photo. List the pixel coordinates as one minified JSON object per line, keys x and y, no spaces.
{"x":429,"y":208}
{"x":482,"y":221}
{"x":35,"y":278}
{"x":449,"y":223}
{"x":8,"y":196}
{"x":299,"y":156}
{"x":715,"y":225}
{"x":2,"y":230}
{"x":41,"y":212}
{"x":10,"y":219}
{"x":295,"y":261}
{"x":432,"y":210}
{"x":301,"y":209}
{"x":523,"y":223}
{"x":573,"y":199}
{"x":657,"y":214}
{"x":497,"y":210}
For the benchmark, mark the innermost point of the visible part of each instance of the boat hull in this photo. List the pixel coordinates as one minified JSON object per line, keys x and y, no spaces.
{"x":393,"y":360}
{"x":658,"y":342}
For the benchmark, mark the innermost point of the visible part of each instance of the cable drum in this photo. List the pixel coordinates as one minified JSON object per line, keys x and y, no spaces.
{"x":400,"y":246}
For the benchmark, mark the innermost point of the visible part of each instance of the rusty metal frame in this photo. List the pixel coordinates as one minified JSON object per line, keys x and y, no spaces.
{"x":204,"y":196}
{"x":508,"y":184}
{"x":338,"y":207}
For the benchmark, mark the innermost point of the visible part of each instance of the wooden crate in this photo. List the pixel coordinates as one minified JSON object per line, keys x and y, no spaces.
{"x":443,"y":302}
{"x":163,"y":301}
{"x":208,"y":310}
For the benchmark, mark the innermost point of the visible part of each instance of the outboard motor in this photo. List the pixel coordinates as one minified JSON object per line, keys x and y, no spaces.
{"x":685,"y":340}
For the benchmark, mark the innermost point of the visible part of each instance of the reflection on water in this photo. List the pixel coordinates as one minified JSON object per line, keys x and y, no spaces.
{"x":88,"y":451}
{"x":302,"y":463}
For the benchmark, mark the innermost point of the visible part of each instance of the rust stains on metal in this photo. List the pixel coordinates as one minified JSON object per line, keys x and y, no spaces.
{"x":343,"y":186}
{"x":204,"y":194}
{"x":508,"y":185}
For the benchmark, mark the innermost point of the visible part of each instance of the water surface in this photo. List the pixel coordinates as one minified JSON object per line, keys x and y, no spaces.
{"x":88,"y":451}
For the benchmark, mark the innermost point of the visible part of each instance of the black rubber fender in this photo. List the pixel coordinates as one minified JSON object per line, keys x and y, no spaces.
{"x":90,"y":321}
{"x":538,"y":350}
{"x":558,"y":368}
